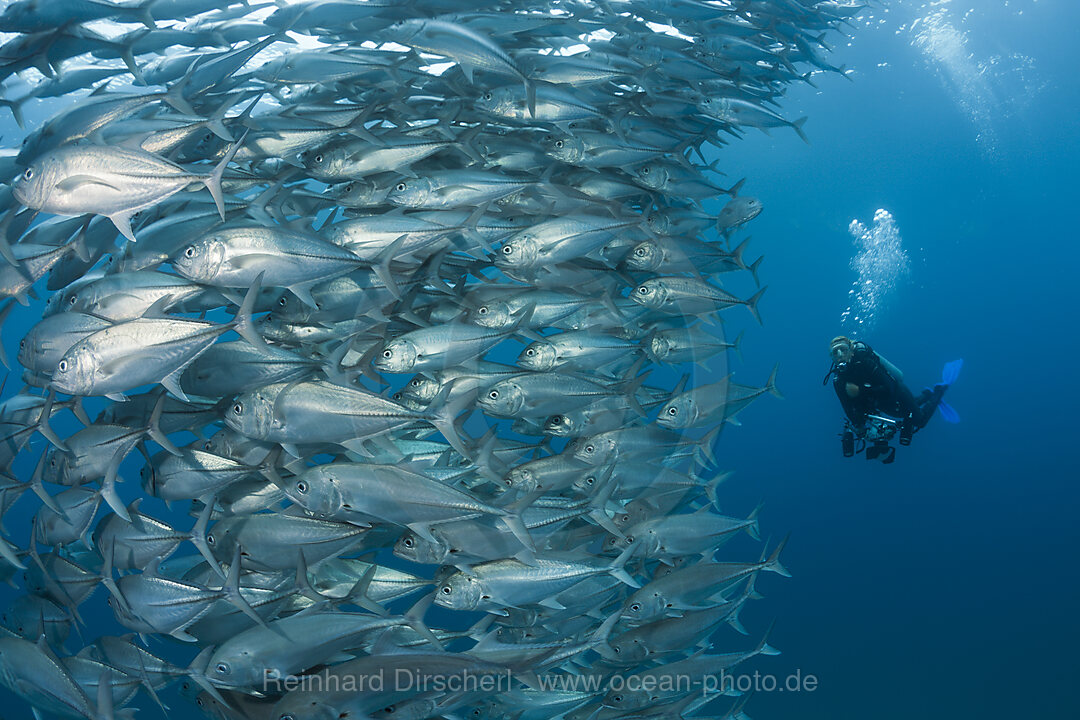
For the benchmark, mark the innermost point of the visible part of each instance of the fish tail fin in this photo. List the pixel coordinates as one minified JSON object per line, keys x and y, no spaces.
{"x":737,"y":254}
{"x":736,"y":346}
{"x":415,"y":619}
{"x":629,"y":390}
{"x":213,"y":180}
{"x":358,"y":594}
{"x":797,"y":126}
{"x":232,"y":590}
{"x":153,"y":428}
{"x":772,"y":563}
{"x":707,"y":444}
{"x":38,"y":487}
{"x":242,"y":323}
{"x":108,"y":485}
{"x":109,"y":552}
{"x":752,"y":528}
{"x":712,"y":486}
{"x":197,"y":537}
{"x":770,"y":385}
{"x":512,"y":520}
{"x":617,"y":567}
{"x":43,"y":423}
{"x":752,"y":301}
{"x":15,"y":106}
{"x":443,"y":415}
{"x":598,"y":503}
{"x":197,"y":672}
{"x":763,"y":647}
{"x":8,"y":552}
{"x":381,"y":266}
{"x":753,"y":268}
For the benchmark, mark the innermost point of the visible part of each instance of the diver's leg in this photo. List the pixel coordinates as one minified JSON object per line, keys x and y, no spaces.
{"x":927,"y":404}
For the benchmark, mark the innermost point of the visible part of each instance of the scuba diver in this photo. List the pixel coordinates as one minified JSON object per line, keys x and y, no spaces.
{"x":878,"y":403}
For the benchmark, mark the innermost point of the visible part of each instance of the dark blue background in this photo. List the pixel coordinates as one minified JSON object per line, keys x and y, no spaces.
{"x":946,"y":584}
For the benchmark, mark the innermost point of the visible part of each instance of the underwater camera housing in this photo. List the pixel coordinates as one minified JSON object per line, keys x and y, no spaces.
{"x":875,"y":439}
{"x":879,"y":431}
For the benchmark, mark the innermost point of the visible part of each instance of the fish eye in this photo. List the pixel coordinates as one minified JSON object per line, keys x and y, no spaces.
{"x":62,"y":367}
{"x":286,"y":716}
{"x":210,"y":539}
{"x":414,"y":382}
{"x":388,"y":709}
{"x":318,"y":158}
{"x":591,"y":480}
{"x":556,"y":420}
{"x":189,"y":251}
{"x":238,"y":408}
{"x":29,"y":174}
{"x":73,"y":299}
{"x":446,"y":590}
{"x":636,"y":607}
{"x":487,"y":96}
{"x":222,"y":668}
{"x":349,"y":188}
{"x":482,"y":311}
{"x":388,"y":353}
{"x":643,"y":290}
{"x":282,"y":302}
{"x":558,"y":143}
{"x":590,"y":448}
{"x":617,"y":698}
{"x":301,"y":487}
{"x":494,"y":394}
{"x":507,"y":249}
{"x":616,"y":648}
{"x":645,"y":170}
{"x":22,"y":344}
{"x":400,"y":187}
{"x":407,"y":542}
{"x":672,"y":411}
{"x":640,"y":252}
{"x":530,"y":352}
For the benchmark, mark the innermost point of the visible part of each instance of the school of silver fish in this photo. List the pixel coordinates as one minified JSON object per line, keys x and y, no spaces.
{"x":393,"y":307}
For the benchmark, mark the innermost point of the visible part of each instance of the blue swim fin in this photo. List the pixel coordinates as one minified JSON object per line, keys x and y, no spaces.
{"x":947,"y":413}
{"x":951,"y":371}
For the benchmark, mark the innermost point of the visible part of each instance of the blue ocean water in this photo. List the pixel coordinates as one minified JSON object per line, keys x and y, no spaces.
{"x":945,"y":584}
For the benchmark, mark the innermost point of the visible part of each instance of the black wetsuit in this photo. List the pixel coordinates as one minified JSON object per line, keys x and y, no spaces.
{"x":879,"y":392}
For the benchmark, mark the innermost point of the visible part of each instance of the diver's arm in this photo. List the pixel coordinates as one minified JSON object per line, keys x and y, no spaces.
{"x":848,"y":404}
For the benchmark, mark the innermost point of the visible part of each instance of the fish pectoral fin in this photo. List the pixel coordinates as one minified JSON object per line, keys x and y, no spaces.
{"x":74,"y":182}
{"x":552,"y":603}
{"x":122,"y":221}
{"x":172,"y":384}
{"x":179,"y":634}
{"x":303,"y":293}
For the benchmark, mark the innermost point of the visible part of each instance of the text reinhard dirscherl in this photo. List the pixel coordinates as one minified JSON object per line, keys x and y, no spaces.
{"x":466,"y":681}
